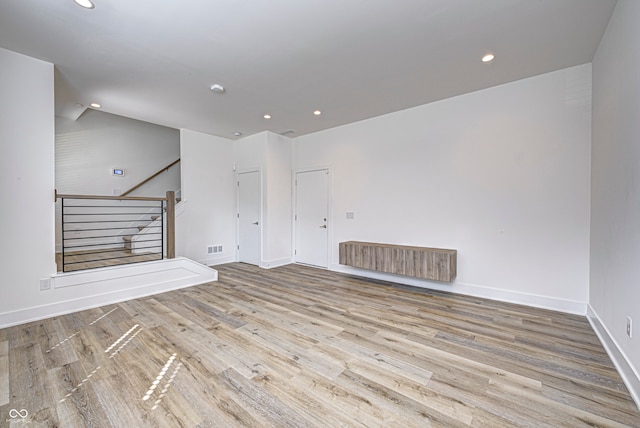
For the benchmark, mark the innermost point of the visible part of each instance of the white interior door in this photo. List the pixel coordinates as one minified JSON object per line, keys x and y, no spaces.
{"x":249,"y":218}
{"x":312,"y":212}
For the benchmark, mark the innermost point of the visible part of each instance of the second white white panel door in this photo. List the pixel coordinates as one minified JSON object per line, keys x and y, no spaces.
{"x":249,"y":227}
{"x":312,"y":212}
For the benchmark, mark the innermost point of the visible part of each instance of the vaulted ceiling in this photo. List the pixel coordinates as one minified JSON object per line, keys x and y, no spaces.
{"x":351,"y":59}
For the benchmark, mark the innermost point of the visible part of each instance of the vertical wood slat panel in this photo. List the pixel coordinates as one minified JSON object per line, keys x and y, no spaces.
{"x":438,"y":264}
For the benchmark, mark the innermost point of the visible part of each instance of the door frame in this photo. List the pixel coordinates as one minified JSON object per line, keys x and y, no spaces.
{"x":294,"y":235}
{"x":247,"y":171}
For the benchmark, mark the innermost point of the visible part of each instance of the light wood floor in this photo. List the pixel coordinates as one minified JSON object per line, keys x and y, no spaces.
{"x":295,"y":347}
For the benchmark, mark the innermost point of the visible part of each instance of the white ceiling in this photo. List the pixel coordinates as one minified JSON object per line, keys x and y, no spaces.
{"x":155,"y":60}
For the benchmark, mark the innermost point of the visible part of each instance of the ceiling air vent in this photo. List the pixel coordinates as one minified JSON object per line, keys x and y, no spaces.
{"x":288,"y":132}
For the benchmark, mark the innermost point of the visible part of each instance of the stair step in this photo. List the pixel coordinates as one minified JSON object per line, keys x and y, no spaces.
{"x":128,"y":242}
{"x":141,"y":228}
{"x":154,"y":217}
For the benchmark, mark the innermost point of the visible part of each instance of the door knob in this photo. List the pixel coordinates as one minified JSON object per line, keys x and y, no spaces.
{"x":256,"y":223}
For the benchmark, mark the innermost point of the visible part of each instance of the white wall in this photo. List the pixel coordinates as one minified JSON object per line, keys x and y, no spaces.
{"x":27,"y":177}
{"x":501,"y":175}
{"x":207,"y":216}
{"x":615,"y":194}
{"x":251,"y":152}
{"x":278,"y":201}
{"x":271,"y":154}
{"x":87,"y":149}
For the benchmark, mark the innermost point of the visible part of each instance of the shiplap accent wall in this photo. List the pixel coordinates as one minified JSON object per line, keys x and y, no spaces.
{"x":88,"y":148}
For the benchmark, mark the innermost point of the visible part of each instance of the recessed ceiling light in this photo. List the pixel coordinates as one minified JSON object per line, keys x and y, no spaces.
{"x":488,"y":58}
{"x":95,"y":105}
{"x":87,"y":4}
{"x":267,"y":116}
{"x":217,"y":88}
{"x":317,"y":112}
{"x":237,"y":133}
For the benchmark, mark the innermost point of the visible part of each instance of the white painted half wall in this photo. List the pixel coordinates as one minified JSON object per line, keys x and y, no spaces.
{"x":207,"y":215}
{"x":615,"y":191}
{"x":86,"y":289}
{"x":501,"y":175}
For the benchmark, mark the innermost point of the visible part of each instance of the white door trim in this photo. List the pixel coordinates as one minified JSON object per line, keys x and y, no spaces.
{"x":329,"y":209}
{"x":238,"y":173}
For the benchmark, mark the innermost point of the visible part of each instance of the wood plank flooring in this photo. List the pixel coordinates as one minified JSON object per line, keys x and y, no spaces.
{"x":302,"y":347}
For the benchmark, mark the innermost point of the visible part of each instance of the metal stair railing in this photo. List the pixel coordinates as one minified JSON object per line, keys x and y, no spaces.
{"x":100,"y":231}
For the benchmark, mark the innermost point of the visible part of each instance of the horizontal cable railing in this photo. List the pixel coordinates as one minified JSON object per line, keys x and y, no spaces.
{"x":100,"y":231}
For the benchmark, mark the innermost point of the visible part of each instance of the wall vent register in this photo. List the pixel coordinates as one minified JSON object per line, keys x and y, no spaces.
{"x":214,"y":249}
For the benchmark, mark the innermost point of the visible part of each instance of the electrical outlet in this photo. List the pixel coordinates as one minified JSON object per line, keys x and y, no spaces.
{"x":629,"y":326}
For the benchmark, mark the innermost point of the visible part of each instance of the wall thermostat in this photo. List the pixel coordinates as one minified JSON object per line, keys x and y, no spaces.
{"x":118,"y":172}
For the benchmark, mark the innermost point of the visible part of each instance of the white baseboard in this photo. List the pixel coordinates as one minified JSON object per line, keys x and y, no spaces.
{"x":628,"y":373}
{"x":127,"y":281}
{"x":537,"y":301}
{"x":270,"y":264}
{"x":214,"y":261}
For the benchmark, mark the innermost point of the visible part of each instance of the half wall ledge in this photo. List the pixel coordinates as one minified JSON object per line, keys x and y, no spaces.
{"x":172,"y":273}
{"x":81,"y":290}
